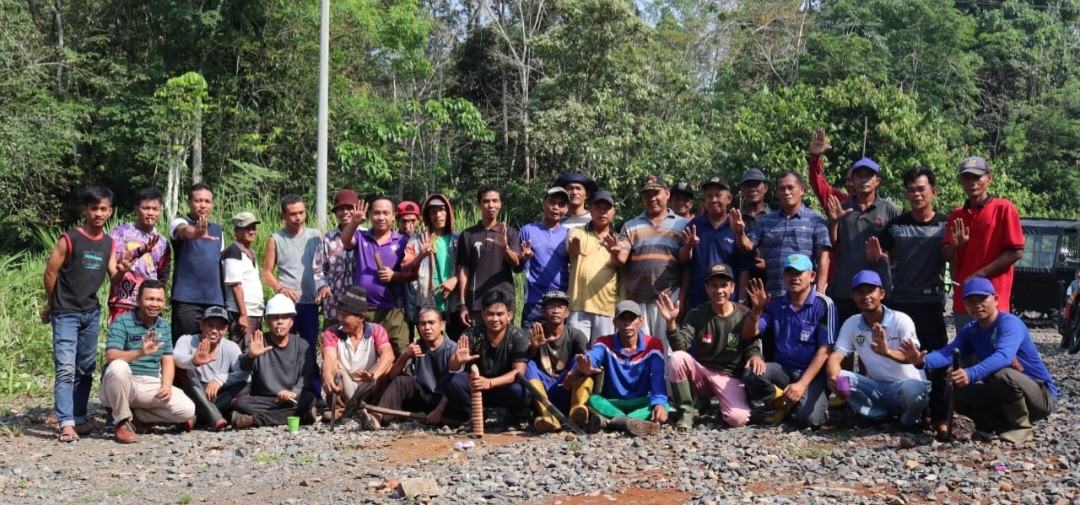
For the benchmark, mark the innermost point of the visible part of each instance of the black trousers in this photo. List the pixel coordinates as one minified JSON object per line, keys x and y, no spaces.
{"x":268,"y":411}
{"x":983,"y":400}
{"x":186,"y":318}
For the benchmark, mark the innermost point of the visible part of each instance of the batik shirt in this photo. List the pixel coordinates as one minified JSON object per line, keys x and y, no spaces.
{"x":334,"y":268}
{"x":154,"y":264}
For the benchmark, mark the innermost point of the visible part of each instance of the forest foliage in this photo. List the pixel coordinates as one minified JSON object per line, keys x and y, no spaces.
{"x":447,"y":95}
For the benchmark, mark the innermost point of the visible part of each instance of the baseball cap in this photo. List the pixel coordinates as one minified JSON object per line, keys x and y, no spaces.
{"x":799,"y":262}
{"x":345,"y":197}
{"x":565,"y":180}
{"x":603,"y":196}
{"x":754,"y":174}
{"x":555,"y":296}
{"x":406,"y":208}
{"x":684,"y":188}
{"x":353,"y":300}
{"x":866,"y":277}
{"x":558,"y":190}
{"x":627,"y":306}
{"x":978,"y":286}
{"x":215,"y":311}
{"x":974,"y":165}
{"x":652,"y":182}
{"x":244,"y":219}
{"x":434,"y":202}
{"x":720,"y":269}
{"x":716,"y":180}
{"x":866,"y":163}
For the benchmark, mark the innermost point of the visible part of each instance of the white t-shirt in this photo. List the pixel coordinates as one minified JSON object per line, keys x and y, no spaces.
{"x":241,"y":269}
{"x":856,"y":335}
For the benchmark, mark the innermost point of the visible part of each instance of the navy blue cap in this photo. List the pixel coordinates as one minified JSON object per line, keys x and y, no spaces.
{"x":866,"y":277}
{"x":866,"y":163}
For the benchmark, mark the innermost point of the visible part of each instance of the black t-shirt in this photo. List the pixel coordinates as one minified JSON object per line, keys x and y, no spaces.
{"x":915,"y":249}
{"x":434,"y":364}
{"x":488,"y":267}
{"x":558,"y":355}
{"x":498,"y":360}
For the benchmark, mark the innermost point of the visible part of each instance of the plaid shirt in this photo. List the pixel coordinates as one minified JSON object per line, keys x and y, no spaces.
{"x":334,"y":268}
{"x":779,"y":236}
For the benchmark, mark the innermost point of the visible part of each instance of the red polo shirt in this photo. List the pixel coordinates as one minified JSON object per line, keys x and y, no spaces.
{"x":994,"y":227}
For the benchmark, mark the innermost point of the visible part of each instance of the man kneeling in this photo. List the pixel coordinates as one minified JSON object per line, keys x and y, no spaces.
{"x":138,"y":379}
{"x":553,"y":345}
{"x":282,"y":373}
{"x":422,"y":391}
{"x":893,"y":388}
{"x":356,"y":353}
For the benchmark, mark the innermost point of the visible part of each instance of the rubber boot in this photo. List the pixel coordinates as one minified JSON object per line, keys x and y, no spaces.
{"x":684,"y":403}
{"x":781,"y":407}
{"x":205,"y":410}
{"x":1019,"y":426}
{"x":579,"y":395}
{"x":635,"y":427}
{"x":545,"y":422}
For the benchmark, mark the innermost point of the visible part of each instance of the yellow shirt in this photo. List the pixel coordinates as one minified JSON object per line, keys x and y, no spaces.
{"x":593,"y":278}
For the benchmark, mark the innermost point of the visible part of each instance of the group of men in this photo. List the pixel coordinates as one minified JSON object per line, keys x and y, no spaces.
{"x":762,"y":309}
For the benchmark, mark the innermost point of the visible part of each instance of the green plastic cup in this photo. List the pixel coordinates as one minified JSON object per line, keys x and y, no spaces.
{"x":294,"y":424}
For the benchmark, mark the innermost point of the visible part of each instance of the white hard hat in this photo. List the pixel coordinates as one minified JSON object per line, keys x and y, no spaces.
{"x":280,"y":304}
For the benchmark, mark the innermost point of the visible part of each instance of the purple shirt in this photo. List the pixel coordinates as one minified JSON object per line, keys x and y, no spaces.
{"x":154,"y":264}
{"x":390,"y":253}
{"x":548,"y":268}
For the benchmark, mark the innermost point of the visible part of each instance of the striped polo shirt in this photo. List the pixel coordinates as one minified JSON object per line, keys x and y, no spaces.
{"x":653,"y":265}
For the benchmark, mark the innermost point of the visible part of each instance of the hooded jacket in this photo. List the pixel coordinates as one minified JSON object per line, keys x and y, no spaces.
{"x":423,"y":275}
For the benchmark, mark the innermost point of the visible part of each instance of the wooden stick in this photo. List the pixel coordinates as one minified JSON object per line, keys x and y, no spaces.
{"x":411,"y":415}
{"x":477,"y":407}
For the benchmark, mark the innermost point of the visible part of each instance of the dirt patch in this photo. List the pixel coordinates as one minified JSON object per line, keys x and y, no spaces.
{"x":633,"y":495}
{"x":422,"y":447}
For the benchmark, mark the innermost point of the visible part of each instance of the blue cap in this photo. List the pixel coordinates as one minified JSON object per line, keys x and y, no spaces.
{"x":799,"y":262}
{"x":866,"y":163}
{"x":978,"y":286}
{"x":866,"y":277}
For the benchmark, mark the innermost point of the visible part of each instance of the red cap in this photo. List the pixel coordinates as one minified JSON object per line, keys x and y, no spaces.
{"x":408,"y":207}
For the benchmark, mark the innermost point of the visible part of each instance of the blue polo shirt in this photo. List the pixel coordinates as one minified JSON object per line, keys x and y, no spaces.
{"x":636,"y":375}
{"x":799,"y":333}
{"x":548,"y":268}
{"x":717,"y":245}
{"x":995,"y":347}
{"x":779,"y":236}
{"x":391,"y":252}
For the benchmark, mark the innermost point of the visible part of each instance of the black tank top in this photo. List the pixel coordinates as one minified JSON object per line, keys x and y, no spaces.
{"x":82,"y":274}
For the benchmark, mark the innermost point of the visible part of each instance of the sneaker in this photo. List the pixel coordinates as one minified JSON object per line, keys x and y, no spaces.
{"x":368,"y":421}
{"x":242,"y":421}
{"x":125,"y":433}
{"x":642,"y":428}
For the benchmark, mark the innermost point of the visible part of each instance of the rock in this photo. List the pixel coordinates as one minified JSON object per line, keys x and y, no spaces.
{"x":1006,"y":487}
{"x":418,"y":487}
{"x":911,"y":464}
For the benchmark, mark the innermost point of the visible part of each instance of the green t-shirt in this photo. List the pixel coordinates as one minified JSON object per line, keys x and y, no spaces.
{"x":444,"y":267}
{"x":127,"y":334}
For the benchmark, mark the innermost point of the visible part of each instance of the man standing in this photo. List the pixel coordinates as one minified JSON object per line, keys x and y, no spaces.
{"x":75,"y":270}
{"x":423,"y":390}
{"x":595,"y":257}
{"x":851,"y":225}
{"x":654,"y":239}
{"x":581,"y":190}
{"x":407,"y":216}
{"x":243,"y":287}
{"x":356,"y":354}
{"x":912,"y":241}
{"x":892,"y":387}
{"x":141,"y":246}
{"x":291,"y":251}
{"x":792,"y":229}
{"x":552,"y":347}
{"x":543,"y":256}
{"x":803,"y":325}
{"x":682,"y":200}
{"x":983,"y":238}
{"x":752,"y":188}
{"x":501,"y":351}
{"x":335,"y":267}
{"x":379,"y":253}
{"x":632,"y":397}
{"x":714,"y":242}
{"x":211,"y":374}
{"x":487,"y":254}
{"x":137,"y":384}
{"x":431,"y":258}
{"x":283,"y":373}
{"x":710,"y":354}
{"x":1009,"y":388}
{"x":197,"y":245}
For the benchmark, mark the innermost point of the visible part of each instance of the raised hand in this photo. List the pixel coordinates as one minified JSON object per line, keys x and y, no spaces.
{"x":462,"y":353}
{"x":202,"y":229}
{"x":124,"y":265}
{"x":537,"y":338}
{"x":360,"y":212}
{"x":426,"y":247}
{"x":502,"y":240}
{"x":584,"y":365}
{"x":203,"y":353}
{"x":911,"y":353}
{"x":258,"y":346}
{"x":819,"y":145}
{"x":834,"y":210}
{"x":669,"y":309}
{"x":151,"y":244}
{"x":526,"y":250}
{"x":690,"y":236}
{"x":611,"y":243}
{"x":755,"y":291}
{"x":878,"y":343}
{"x":874,"y":253}
{"x":413,"y":351}
{"x":960,"y":233}
{"x":738,"y":225}
{"x":573,"y":246}
{"x":151,"y":343}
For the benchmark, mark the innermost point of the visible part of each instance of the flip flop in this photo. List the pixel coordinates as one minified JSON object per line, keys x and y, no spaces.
{"x":67,"y":437}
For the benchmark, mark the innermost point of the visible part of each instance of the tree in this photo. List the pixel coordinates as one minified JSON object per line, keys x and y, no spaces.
{"x":178,"y":114}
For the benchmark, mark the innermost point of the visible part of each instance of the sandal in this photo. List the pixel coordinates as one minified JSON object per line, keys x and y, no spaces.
{"x":68,"y":436}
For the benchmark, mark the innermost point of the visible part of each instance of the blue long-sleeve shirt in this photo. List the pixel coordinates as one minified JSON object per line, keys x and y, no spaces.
{"x":636,"y":375}
{"x":996,"y":346}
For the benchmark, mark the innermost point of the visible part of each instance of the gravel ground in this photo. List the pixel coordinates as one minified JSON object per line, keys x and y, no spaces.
{"x":709,"y":464}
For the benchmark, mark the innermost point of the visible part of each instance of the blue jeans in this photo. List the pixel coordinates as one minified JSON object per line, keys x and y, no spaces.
{"x":75,"y":340}
{"x":877,"y":400}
